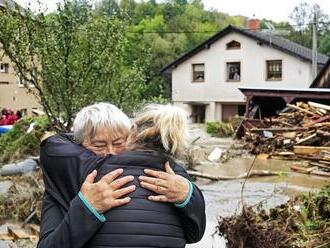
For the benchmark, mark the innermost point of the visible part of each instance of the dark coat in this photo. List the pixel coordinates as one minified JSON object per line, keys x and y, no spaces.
{"x":66,"y":222}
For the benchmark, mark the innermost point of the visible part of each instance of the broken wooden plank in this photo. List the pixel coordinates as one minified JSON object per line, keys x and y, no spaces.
{"x":324,"y":162}
{"x":284,"y":153}
{"x":319,"y":105}
{"x":6,"y":236}
{"x":279,"y":129}
{"x":323,"y":133}
{"x":307,"y":150}
{"x":253,"y":173}
{"x":35,"y":229}
{"x":319,"y":120}
{"x":262,"y":156}
{"x":289,"y":135}
{"x":301,"y":169}
{"x":319,"y":165}
{"x":321,"y":173}
{"x":309,"y":157}
{"x":289,"y":158}
{"x":306,"y":139}
{"x":301,"y":109}
{"x":18,"y":233}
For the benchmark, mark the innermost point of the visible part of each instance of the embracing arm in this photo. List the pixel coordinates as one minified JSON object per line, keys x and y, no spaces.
{"x":75,"y":225}
{"x":174,"y":186}
{"x":193,"y":216}
{"x":66,"y":229}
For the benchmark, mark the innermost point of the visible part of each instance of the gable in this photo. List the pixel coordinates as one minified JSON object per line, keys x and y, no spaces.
{"x":286,"y":46}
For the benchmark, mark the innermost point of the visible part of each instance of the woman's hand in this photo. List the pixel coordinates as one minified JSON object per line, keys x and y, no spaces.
{"x":170,"y":187}
{"x":108,"y":192}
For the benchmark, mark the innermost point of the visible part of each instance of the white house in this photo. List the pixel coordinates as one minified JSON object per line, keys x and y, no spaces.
{"x":205,"y":80}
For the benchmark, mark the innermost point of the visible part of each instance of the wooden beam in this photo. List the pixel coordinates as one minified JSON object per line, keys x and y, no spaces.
{"x":300,"y":141}
{"x":279,"y":129}
{"x":18,"y":233}
{"x":301,"y":109}
{"x":319,"y":105}
{"x":253,"y":173}
{"x":307,"y":150}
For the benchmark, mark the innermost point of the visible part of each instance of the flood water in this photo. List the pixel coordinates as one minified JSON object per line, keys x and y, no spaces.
{"x":223,"y":197}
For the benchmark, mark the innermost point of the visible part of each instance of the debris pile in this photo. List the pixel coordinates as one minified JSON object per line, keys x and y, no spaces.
{"x":301,"y":222}
{"x":22,"y":199}
{"x":300,"y":131}
{"x":15,"y":236}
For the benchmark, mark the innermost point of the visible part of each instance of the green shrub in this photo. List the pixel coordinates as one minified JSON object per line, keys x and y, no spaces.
{"x":220,"y":129}
{"x":18,"y":144}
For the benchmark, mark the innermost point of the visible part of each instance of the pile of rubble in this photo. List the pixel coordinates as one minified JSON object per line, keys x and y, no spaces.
{"x":300,"y":131}
{"x":20,"y":209}
{"x":301,"y":222}
{"x":20,"y":197}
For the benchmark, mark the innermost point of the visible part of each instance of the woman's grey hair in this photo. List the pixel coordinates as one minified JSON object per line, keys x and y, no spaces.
{"x":166,"y":123}
{"x":98,"y":115}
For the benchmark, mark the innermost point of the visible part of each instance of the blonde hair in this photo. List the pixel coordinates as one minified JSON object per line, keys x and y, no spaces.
{"x":165,"y":125}
{"x":98,"y":115}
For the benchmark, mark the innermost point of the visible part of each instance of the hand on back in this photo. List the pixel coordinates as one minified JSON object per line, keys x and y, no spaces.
{"x":108,"y":192}
{"x":170,"y":187}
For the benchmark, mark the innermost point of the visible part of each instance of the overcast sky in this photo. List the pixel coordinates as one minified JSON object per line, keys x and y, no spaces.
{"x":276,"y":10}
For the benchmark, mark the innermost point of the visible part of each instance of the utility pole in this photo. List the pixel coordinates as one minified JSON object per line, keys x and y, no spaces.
{"x":314,"y":61}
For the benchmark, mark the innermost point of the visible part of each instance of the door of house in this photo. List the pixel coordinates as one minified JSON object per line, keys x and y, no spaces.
{"x":198,"y":113}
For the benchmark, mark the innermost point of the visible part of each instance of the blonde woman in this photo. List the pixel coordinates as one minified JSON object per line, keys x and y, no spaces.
{"x":162,"y":209}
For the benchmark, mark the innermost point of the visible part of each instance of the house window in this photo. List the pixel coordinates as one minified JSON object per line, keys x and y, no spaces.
{"x":233,"y":45}
{"x":4,"y":67}
{"x":234,"y":71}
{"x":274,"y":69}
{"x":198,"y":72}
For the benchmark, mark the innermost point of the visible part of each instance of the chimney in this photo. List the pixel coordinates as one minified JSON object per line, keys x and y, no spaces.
{"x":253,"y":24}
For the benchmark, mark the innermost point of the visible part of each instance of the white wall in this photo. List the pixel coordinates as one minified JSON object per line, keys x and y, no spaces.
{"x":12,"y":95}
{"x":296,"y":73}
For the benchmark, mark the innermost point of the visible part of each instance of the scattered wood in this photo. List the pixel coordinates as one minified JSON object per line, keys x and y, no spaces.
{"x":6,"y":236}
{"x":320,"y":173}
{"x":18,"y":233}
{"x":302,"y":169}
{"x":300,"y":132}
{"x":310,"y":170}
{"x":35,"y":229}
{"x":301,"y":109}
{"x":14,"y":232}
{"x":319,"y":165}
{"x":253,"y":173}
{"x":319,"y":105}
{"x":306,"y":150}
{"x":279,"y":129}
{"x":303,"y":140}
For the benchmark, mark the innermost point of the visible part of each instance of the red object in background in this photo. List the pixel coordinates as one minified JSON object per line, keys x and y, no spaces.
{"x":9,"y":119}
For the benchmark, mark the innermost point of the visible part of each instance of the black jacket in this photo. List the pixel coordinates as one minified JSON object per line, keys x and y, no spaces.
{"x":66,"y":222}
